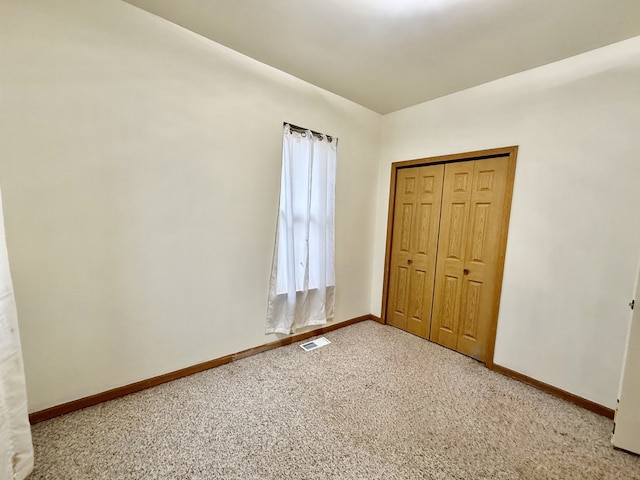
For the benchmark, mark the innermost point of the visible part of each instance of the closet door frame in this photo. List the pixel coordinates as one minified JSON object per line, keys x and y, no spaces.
{"x":510,"y":156}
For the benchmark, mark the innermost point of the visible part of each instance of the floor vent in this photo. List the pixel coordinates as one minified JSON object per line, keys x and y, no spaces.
{"x":313,"y":344}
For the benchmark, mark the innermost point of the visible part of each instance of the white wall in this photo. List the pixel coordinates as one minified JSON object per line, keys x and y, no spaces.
{"x":573,"y":244}
{"x":140,"y":168}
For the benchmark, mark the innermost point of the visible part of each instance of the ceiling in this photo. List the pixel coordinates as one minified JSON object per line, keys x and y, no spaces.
{"x":391,"y":54}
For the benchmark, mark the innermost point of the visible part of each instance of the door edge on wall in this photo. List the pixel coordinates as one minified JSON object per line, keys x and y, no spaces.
{"x":511,"y":154}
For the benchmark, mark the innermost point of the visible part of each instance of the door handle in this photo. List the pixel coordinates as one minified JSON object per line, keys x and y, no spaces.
{"x":466,"y":271}
{"x":409,"y":261}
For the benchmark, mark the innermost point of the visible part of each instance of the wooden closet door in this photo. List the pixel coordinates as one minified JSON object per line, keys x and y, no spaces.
{"x":481,"y":257}
{"x":465,"y":285}
{"x":414,"y":246}
{"x":456,"y":200}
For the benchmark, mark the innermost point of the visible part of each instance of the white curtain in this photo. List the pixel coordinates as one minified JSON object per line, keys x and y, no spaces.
{"x":16,"y":451}
{"x":302,"y":286}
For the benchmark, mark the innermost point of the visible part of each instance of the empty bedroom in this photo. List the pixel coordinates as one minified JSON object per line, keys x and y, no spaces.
{"x":367,"y":239}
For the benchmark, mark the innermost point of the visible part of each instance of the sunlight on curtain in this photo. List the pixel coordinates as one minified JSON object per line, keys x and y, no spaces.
{"x":302,"y":286}
{"x":16,"y":451}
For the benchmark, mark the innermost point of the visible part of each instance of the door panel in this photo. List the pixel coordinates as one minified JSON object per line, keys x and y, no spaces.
{"x":413,"y":251}
{"x":482,"y":249}
{"x":406,"y":223}
{"x":449,"y":312}
{"x":472,"y":205}
{"x":456,"y":200}
{"x":402,"y":287}
{"x":471,"y":294}
{"x":425,"y":213}
{"x":457,"y":221}
{"x":401,"y":253}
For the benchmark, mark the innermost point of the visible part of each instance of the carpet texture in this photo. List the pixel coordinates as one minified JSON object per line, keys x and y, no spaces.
{"x":377,"y":403}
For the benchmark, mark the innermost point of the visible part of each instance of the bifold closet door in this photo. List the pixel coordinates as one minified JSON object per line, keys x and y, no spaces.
{"x":413,"y":251}
{"x":468,"y":250}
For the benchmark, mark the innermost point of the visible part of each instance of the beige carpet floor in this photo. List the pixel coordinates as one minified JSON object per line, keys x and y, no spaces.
{"x":377,"y":403}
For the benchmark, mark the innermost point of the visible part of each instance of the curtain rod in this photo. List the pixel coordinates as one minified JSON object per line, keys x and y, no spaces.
{"x":313,"y":132}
